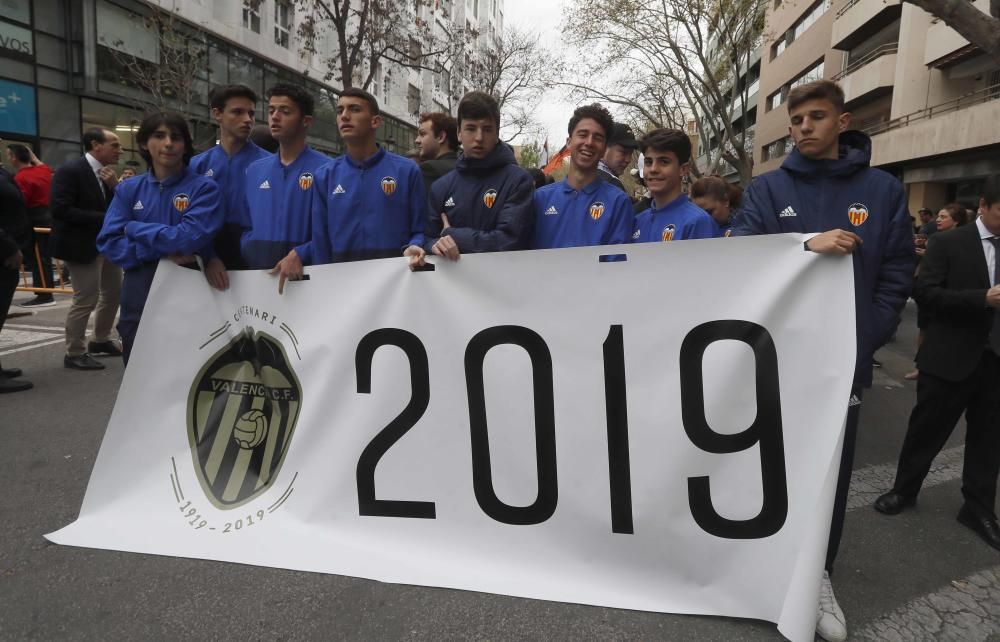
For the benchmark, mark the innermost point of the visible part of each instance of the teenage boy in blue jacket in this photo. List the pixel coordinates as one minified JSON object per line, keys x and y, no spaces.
{"x":170,"y":211}
{"x":826,"y":186}
{"x":278,"y":214}
{"x":226,"y":164}
{"x":484,"y":204}
{"x":671,"y":216}
{"x":583,"y":209}
{"x":369,"y":203}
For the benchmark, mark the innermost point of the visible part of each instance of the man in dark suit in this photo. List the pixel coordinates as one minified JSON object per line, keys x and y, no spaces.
{"x":959,"y":363}
{"x":15,"y":242}
{"x":81,"y":191}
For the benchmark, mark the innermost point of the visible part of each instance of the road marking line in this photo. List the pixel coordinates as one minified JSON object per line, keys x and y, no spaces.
{"x":51,"y":342}
{"x":868,"y":483}
{"x":24,"y":326}
{"x":967,"y":610}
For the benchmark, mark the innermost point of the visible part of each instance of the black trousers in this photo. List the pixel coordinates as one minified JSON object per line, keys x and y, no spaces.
{"x":8,"y":284}
{"x":844,"y":478}
{"x":40,"y":217}
{"x":940,"y":404}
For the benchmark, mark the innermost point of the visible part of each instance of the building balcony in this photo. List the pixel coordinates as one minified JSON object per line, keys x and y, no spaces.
{"x":859,"y":20}
{"x":964,"y":123}
{"x":870,"y":77}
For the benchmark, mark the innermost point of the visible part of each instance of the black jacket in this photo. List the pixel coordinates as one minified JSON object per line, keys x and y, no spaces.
{"x":435,"y":169}
{"x":15,"y":230}
{"x":78,"y":208}
{"x":952,"y":284}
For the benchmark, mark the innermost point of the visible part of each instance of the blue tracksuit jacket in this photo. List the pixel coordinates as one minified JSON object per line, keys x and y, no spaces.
{"x":230,"y":174}
{"x":487,"y":201}
{"x":367,"y":211}
{"x":807,"y":195}
{"x":598,"y":214}
{"x":277,"y":217}
{"x":678,"y":220}
{"x":149,"y":219}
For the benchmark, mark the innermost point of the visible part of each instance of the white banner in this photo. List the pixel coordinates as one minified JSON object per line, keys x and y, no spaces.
{"x":661,"y":433}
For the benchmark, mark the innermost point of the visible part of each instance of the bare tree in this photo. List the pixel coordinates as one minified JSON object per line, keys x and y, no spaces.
{"x":972,"y":24}
{"x":516,"y":72}
{"x":667,"y":60}
{"x":366,"y":33}
{"x":169,"y":76}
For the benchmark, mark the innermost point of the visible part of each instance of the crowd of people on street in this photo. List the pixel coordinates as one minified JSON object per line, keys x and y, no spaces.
{"x":240,"y":206}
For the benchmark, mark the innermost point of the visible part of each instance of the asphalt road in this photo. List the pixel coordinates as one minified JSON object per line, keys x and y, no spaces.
{"x":916,"y":576}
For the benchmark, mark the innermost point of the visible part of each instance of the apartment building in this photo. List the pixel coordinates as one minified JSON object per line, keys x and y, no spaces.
{"x":926,"y":96}
{"x":61,"y":67}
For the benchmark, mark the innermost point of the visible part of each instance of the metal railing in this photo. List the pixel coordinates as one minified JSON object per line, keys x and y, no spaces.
{"x":877,"y":52}
{"x":25,"y":274}
{"x":974,"y":98}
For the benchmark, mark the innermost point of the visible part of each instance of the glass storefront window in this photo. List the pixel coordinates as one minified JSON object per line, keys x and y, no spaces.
{"x":19,"y":10}
{"x":50,"y":16}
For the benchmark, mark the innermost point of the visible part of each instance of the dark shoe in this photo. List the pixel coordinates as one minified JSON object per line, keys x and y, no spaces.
{"x":892,"y":503}
{"x":985,"y":527}
{"x":38,"y":302}
{"x":10,"y":373}
{"x":14,"y":385}
{"x":82,"y":362}
{"x":104,"y":347}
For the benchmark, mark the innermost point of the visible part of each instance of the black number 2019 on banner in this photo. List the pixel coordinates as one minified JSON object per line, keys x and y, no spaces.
{"x":765,"y":431}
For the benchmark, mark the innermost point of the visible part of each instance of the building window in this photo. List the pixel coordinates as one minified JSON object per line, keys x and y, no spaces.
{"x":777,"y":149}
{"x":386,"y":86}
{"x":813,"y":73}
{"x":282,"y":22}
{"x":375,"y":79}
{"x":251,"y":15}
{"x":800,"y":27}
{"x":413,"y":99}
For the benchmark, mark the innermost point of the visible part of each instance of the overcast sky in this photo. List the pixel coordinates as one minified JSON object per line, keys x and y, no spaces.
{"x":543,"y":17}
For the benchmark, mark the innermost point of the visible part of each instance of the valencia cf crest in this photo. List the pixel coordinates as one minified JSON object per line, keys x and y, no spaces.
{"x":668,"y":233}
{"x":389,"y":185}
{"x":490,"y":197}
{"x":181,"y":202}
{"x":858,"y":213}
{"x":241,"y":411}
{"x":305,"y":180}
{"x":596,"y":210}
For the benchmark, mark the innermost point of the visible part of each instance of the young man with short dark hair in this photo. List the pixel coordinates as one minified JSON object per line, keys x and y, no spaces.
{"x":484,"y":204}
{"x":671,"y":216}
{"x":279,"y":189}
{"x":369,"y":202}
{"x":226,"y":163}
{"x":826,"y":187}
{"x":437,"y":142}
{"x":583,"y":209}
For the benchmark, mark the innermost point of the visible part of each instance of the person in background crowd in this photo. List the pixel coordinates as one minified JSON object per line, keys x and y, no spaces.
{"x":950,"y":217}
{"x":538,"y":177}
{"x":927,"y":224}
{"x":437,"y":140}
{"x":279,"y":189}
{"x":15,"y":243}
{"x":261,"y":136}
{"x":959,"y":363}
{"x":719,"y":198}
{"x":34,"y":179}
{"x":131,"y":170}
{"x":81,"y":192}
{"x":583,"y":209}
{"x":825,"y":186}
{"x":170,"y":211}
{"x":671,"y":217}
{"x":233,"y":109}
{"x":620,"y":152}
{"x":367,"y":179}
{"x":484,"y":204}
{"x":413,"y":154}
